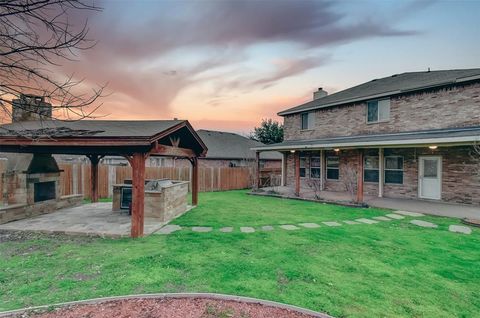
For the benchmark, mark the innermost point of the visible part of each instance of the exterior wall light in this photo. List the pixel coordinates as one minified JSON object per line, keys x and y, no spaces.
{"x":433,"y":147}
{"x":336,"y":149}
{"x":292,"y":151}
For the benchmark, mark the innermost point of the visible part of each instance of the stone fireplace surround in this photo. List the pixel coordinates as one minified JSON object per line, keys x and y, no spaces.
{"x":31,"y":186}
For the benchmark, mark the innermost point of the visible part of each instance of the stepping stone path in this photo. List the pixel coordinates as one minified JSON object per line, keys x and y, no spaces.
{"x":289,"y":227}
{"x":332,"y":223}
{"x":407,"y":213}
{"x":247,"y":229}
{"x":460,"y":229}
{"x":381,"y":218}
{"x":170,"y":228}
{"x":267,"y":228}
{"x":366,"y":221}
{"x":423,"y":223}
{"x":395,"y":216}
{"x":226,"y":229}
{"x":309,"y":225}
{"x":201,"y":229}
{"x":350,"y":222}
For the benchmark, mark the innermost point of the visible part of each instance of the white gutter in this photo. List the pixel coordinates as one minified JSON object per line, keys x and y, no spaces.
{"x":453,"y":141}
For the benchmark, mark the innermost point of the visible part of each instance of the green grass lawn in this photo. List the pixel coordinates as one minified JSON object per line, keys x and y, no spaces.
{"x":390,"y":269}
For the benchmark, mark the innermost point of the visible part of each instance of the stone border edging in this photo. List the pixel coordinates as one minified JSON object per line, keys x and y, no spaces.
{"x":212,"y":296}
{"x":280,"y":196}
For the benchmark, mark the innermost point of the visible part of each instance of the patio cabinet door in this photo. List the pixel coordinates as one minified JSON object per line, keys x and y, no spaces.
{"x":430,"y":177}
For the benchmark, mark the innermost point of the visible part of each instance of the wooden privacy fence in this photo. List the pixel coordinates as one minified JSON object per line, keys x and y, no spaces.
{"x":75,"y":178}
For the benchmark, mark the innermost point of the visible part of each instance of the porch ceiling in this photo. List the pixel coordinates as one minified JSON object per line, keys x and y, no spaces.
{"x":439,"y":137}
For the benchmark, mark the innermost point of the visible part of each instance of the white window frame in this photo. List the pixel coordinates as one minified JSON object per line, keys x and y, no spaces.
{"x":370,"y":169}
{"x":381,"y":104}
{"x":319,"y":167}
{"x":327,"y":167}
{"x":304,"y":167}
{"x":385,"y":169}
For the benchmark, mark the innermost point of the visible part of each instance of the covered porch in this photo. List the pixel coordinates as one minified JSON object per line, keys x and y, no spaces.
{"x":434,"y":166}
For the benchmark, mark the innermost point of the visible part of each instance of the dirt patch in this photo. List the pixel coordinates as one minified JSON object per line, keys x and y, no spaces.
{"x":169,"y":307}
{"x":24,"y":236}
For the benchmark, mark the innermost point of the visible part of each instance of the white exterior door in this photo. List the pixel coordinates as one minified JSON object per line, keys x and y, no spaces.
{"x":430,"y":177}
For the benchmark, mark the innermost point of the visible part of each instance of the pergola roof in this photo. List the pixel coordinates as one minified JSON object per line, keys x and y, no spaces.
{"x":102,"y":137}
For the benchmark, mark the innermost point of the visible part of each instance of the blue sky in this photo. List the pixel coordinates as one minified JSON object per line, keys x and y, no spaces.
{"x":227,"y":64}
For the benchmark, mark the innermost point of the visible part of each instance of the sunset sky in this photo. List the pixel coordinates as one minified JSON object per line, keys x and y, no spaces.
{"x":225,"y":65}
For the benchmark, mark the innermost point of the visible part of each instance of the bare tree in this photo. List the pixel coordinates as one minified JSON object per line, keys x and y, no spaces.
{"x":316,"y":186}
{"x":350,"y":181}
{"x":475,"y":156}
{"x":36,"y":36}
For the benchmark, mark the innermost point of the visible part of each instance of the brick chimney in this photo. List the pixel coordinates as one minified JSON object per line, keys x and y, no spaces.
{"x":30,"y":107}
{"x":319,"y":94}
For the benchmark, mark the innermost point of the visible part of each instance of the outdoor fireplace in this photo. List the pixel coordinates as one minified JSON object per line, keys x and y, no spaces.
{"x":43,"y":191}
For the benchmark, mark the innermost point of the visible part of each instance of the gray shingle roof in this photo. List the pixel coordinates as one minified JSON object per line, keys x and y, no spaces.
{"x":93,"y":128}
{"x":402,"y":138}
{"x":226,"y":145}
{"x":392,"y":85}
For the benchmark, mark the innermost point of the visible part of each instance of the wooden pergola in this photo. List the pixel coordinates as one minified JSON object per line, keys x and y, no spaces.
{"x":134,"y":140}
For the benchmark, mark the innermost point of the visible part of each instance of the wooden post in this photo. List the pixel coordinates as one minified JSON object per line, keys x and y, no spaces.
{"x":360,"y":177}
{"x":381,"y":173}
{"x":297,"y":173}
{"x":194,"y":162}
{"x":257,"y":170}
{"x":138,"y":194}
{"x":94,"y":160}
{"x":284,"y":168}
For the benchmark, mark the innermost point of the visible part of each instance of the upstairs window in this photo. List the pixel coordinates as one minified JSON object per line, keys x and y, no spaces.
{"x":394,"y":169}
{"x":371,"y":171}
{"x":308,"y":120}
{"x":333,"y":167}
{"x":378,"y":111}
{"x":315,"y":167}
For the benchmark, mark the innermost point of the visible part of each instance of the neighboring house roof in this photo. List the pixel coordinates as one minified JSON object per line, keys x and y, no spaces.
{"x":387,"y":86}
{"x":226,"y":145}
{"x":424,"y":137}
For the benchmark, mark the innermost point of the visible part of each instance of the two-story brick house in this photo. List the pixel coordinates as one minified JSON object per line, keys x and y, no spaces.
{"x":410,"y":135}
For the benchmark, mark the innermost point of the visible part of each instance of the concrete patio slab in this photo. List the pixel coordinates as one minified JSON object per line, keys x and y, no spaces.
{"x":332,"y":223}
{"x":289,"y":227}
{"x":409,"y":213}
{"x":247,"y":229}
{"x":460,"y":229}
{"x":227,"y":229}
{"x":366,"y":221}
{"x":87,"y":219}
{"x":309,"y":225}
{"x":423,"y":223}
{"x":395,"y":216}
{"x":201,"y":229}
{"x":168,"y":229}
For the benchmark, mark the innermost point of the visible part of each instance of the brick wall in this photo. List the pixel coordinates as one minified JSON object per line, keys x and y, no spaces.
{"x":442,"y":108}
{"x":460,"y":174}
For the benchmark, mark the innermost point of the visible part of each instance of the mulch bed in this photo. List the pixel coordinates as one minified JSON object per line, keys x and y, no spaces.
{"x":167,"y":307}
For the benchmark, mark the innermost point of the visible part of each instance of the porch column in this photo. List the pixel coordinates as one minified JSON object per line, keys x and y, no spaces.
{"x":360,"y":177}
{"x":138,"y":194}
{"x":284,"y":168}
{"x":257,"y":170}
{"x":323,"y":171}
{"x":194,"y":162}
{"x":297,"y":173}
{"x":381,"y":174}
{"x":94,"y":160}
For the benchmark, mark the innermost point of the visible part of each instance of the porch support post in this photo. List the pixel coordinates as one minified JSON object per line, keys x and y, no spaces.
{"x":360,"y":177}
{"x":94,"y":160}
{"x":194,"y":162}
{"x":138,"y":194}
{"x":323,"y":171}
{"x":381,"y":174}
{"x":257,"y":170}
{"x":284,"y":168}
{"x":297,"y":173}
